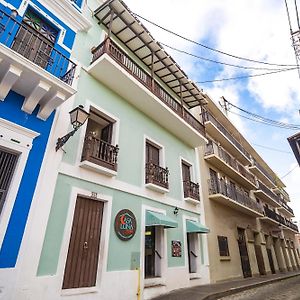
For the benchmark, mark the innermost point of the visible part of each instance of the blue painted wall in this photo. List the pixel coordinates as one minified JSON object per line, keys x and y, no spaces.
{"x":10,"y":109}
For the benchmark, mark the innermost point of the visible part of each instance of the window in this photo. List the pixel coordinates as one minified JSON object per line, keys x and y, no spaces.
{"x":223,"y":245}
{"x":8,"y":161}
{"x":192,"y":239}
{"x":190,"y":189}
{"x":98,"y":147}
{"x":155,"y":174}
{"x":35,"y":39}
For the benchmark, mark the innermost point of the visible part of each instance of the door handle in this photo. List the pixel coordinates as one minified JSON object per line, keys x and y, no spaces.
{"x":85,"y":245}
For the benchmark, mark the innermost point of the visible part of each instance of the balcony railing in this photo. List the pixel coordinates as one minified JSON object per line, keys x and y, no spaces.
{"x":280,"y":219}
{"x":267,"y":191}
{"x":208,"y":117}
{"x":157,"y":175}
{"x":213,"y":148}
{"x":100,"y":152}
{"x":191,"y":190}
{"x":283,"y":204}
{"x":110,"y":48}
{"x":262,"y":170}
{"x":217,"y":186}
{"x":35,"y":48}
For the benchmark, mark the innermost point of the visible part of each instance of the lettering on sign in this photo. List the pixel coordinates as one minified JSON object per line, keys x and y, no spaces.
{"x":125,"y":224}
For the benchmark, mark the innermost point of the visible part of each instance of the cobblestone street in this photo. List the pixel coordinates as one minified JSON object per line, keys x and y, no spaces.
{"x":283,"y":290}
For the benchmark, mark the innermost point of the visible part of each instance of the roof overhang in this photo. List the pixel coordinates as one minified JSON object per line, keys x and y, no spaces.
{"x":117,"y":18}
{"x":294,"y":142}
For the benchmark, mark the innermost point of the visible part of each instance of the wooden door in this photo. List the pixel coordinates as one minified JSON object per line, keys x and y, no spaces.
{"x":244,"y":253}
{"x":152,"y":154}
{"x":260,"y":260}
{"x":270,"y":257}
{"x":82,"y":260}
{"x":186,"y":174}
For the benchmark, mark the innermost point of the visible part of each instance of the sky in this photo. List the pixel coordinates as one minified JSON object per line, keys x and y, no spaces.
{"x":258,"y":30}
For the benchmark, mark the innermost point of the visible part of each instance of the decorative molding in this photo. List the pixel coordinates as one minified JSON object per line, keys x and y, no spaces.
{"x":74,"y":17}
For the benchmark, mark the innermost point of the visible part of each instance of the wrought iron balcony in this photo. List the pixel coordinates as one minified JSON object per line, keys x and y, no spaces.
{"x":35,"y":48}
{"x":268,"y":192}
{"x":207,"y":117}
{"x":280,"y":219}
{"x":217,"y":186}
{"x":122,"y":59}
{"x":191,"y":190}
{"x":157,"y":175}
{"x":100,"y":152}
{"x":213,"y":148}
{"x":262,"y":173}
{"x":285,"y":206}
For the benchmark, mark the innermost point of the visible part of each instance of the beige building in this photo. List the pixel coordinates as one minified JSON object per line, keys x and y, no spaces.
{"x":245,"y":204}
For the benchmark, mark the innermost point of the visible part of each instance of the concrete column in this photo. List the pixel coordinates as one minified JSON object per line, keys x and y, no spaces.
{"x":296,"y":257}
{"x":292,"y":257}
{"x":279,"y":255}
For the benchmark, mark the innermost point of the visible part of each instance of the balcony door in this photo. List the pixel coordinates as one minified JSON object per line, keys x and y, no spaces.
{"x":152,"y":154}
{"x":35,"y":39}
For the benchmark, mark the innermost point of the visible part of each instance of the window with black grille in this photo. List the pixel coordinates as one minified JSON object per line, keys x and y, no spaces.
{"x":223,"y":245}
{"x":8,"y":161}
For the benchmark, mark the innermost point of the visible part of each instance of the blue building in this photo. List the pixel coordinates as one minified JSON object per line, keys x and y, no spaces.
{"x":36,"y":77}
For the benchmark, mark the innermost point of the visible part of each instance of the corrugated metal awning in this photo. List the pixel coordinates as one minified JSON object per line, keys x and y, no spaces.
{"x":131,"y":32}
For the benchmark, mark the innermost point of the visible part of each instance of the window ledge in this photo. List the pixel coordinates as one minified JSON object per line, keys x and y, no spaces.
{"x":225,"y":258}
{"x":78,"y":291}
{"x":155,"y":282}
{"x":99,"y":169}
{"x":192,"y":201}
{"x":156,"y":188}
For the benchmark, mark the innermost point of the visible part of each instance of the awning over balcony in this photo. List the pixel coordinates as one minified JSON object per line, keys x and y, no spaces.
{"x":195,"y":227}
{"x":128,"y":29}
{"x":158,"y":219}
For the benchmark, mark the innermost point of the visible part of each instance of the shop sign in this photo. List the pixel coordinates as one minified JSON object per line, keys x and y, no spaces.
{"x":125,"y":224}
{"x":176,"y":248}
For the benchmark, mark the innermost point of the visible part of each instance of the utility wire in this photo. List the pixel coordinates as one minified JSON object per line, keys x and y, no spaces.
{"x":289,"y":172}
{"x":273,"y":149}
{"x":216,"y":61}
{"x":246,"y":76}
{"x":210,"y":48}
{"x":264,"y":119}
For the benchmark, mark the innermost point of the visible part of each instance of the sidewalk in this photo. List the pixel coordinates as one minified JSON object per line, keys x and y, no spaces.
{"x":217,"y":290}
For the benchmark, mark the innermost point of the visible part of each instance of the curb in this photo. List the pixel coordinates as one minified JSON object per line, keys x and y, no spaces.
{"x":232,"y":291}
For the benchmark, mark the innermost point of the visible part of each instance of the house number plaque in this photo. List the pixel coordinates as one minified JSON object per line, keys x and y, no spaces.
{"x":125,"y":224}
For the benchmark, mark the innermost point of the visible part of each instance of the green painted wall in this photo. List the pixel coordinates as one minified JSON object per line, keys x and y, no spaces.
{"x":117,"y":260}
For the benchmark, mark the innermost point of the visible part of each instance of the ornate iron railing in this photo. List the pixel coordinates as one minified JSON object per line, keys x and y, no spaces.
{"x":109,"y":47}
{"x":208,"y":117}
{"x":191,"y":190}
{"x":157,"y":175}
{"x":213,"y":148}
{"x":217,"y":186}
{"x":100,"y":152}
{"x":35,"y":48}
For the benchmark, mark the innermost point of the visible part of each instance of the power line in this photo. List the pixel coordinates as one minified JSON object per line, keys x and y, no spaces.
{"x":216,"y":61}
{"x":289,"y":172}
{"x":246,"y":76}
{"x":273,"y":149}
{"x":210,"y":48}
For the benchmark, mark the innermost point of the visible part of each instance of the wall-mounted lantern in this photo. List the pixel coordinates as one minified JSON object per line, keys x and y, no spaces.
{"x":78,"y":117}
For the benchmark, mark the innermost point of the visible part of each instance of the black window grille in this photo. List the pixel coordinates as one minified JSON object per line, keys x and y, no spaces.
{"x":223,"y":245}
{"x":8,"y":161}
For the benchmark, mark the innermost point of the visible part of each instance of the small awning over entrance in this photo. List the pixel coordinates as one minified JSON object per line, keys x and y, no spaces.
{"x":195,"y":227}
{"x":158,"y":219}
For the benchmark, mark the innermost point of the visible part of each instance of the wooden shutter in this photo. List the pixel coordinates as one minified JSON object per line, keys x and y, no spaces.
{"x":8,"y":163}
{"x":83,"y":253}
{"x":186,"y":173}
{"x":152,"y":154}
{"x":106,"y":133}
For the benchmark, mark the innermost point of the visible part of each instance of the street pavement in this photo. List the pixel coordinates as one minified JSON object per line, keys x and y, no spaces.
{"x":232,"y":287}
{"x":288,"y":289}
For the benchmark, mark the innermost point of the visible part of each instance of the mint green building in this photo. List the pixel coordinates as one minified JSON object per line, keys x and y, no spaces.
{"x":118,"y":210}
